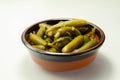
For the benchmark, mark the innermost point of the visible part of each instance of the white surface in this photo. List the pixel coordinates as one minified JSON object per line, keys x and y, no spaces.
{"x":16,"y":15}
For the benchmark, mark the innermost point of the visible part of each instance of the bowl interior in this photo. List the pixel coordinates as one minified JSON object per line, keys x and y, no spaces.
{"x":35,"y":26}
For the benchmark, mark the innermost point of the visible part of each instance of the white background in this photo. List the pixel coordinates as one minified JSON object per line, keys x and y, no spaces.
{"x":17,"y":15}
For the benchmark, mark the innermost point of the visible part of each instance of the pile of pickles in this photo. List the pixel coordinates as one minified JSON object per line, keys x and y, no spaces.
{"x":74,"y":35}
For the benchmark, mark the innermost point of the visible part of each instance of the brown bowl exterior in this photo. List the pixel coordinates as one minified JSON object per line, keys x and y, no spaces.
{"x":60,"y":61}
{"x":64,"y":66}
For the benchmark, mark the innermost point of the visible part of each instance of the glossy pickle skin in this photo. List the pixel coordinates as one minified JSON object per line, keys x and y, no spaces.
{"x":86,"y":46}
{"x":41,"y":31}
{"x":63,"y":37}
{"x":36,"y":39}
{"x":74,"y":22}
{"x":62,"y":31}
{"x":75,"y":43}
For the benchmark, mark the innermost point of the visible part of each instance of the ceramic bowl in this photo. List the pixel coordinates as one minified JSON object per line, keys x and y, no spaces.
{"x":58,"y":61}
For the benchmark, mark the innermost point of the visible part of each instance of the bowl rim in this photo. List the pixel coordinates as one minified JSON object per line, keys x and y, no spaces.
{"x":85,"y":52}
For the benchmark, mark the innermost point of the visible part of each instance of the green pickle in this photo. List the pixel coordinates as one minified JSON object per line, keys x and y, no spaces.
{"x":88,"y":45}
{"x":39,"y":47}
{"x":36,"y":39}
{"x":52,"y":50}
{"x":63,"y":30}
{"x":61,"y":42}
{"x":86,"y":38}
{"x":75,"y":43}
{"x":73,"y":22}
{"x":41,"y":31}
{"x":64,"y":36}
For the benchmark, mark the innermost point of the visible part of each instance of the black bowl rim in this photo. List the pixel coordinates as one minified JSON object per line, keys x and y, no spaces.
{"x":85,"y":52}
